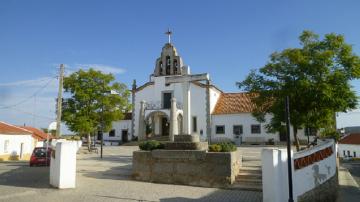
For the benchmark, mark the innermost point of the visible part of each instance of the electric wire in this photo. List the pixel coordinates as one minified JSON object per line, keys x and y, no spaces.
{"x":28,"y":98}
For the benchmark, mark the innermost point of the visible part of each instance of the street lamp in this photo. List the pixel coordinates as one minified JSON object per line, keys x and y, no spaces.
{"x":111,"y":92}
{"x":287,"y":117}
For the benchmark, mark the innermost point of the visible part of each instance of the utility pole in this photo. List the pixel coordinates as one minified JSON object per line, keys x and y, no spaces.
{"x":59,"y":101}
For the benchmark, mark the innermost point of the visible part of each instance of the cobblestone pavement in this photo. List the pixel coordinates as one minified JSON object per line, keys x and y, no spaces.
{"x":106,"y":179}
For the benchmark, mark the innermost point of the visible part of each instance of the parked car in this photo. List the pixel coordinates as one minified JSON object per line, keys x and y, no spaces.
{"x":40,"y":157}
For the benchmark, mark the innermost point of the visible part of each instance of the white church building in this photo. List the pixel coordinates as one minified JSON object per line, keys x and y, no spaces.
{"x":174,"y":101}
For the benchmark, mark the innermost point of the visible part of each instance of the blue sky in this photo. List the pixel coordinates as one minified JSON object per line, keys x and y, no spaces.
{"x":223,"y":38}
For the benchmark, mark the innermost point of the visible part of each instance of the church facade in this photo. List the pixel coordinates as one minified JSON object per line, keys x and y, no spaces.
{"x":174,"y":101}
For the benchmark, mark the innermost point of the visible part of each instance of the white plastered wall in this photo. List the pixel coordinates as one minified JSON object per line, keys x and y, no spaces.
{"x":349,"y":147}
{"x":153,"y":93}
{"x":246,"y":120}
{"x":119,"y":126}
{"x":14,"y":145}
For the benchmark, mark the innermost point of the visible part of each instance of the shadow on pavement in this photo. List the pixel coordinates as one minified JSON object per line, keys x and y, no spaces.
{"x":20,"y":174}
{"x":122,"y":198}
{"x":121,"y":172}
{"x":222,"y":195}
{"x":348,"y":193}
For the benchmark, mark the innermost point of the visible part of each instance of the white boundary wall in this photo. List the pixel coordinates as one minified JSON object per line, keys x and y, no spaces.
{"x":275,"y":173}
{"x":63,"y":165}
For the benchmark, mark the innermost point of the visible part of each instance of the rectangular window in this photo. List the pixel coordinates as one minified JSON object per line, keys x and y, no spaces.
{"x":220,"y":129}
{"x":167,"y":100}
{"x":194,"y":124}
{"x":6,"y":146}
{"x":256,"y":129}
{"x":354,"y":154}
{"x":348,"y":152}
{"x":344,"y":153}
{"x":238,"y":129}
{"x":112,"y":133}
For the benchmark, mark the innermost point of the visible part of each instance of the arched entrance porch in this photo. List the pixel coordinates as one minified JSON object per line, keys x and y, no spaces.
{"x":157,"y":124}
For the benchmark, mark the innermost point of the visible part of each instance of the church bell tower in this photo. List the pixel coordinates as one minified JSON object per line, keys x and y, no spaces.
{"x":169,"y":62}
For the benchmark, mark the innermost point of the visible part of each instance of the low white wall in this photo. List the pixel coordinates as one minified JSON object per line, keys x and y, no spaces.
{"x":53,"y":143}
{"x":311,"y":176}
{"x":305,"y":178}
{"x":63,"y":165}
{"x":349,"y":147}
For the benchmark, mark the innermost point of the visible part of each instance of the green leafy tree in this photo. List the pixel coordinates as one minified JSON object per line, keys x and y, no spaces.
{"x":315,"y":76}
{"x":92,"y":103}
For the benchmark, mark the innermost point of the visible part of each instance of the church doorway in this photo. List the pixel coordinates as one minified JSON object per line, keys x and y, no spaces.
{"x":165,"y":126}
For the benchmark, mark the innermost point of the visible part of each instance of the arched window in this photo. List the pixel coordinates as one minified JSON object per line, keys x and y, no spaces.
{"x":175,"y":66}
{"x":168,"y":60}
{"x":160,"y":68}
{"x":168,"y":63}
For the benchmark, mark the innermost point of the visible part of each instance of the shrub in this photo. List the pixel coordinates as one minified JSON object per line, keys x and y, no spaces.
{"x":228,"y":147}
{"x":223,"y":147}
{"x":217,"y":140}
{"x":215,"y":148}
{"x":151,"y":145}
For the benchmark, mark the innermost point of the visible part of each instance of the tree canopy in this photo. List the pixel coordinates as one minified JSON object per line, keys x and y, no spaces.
{"x":92,"y":103}
{"x":316,"y":77}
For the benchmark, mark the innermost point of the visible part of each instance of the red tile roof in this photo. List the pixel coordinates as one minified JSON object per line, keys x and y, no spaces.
{"x":37,"y":134}
{"x":233,"y":103}
{"x":8,"y":129}
{"x":353,"y":138}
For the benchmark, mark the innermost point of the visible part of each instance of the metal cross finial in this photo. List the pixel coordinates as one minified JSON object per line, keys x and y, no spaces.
{"x":169,"y":33}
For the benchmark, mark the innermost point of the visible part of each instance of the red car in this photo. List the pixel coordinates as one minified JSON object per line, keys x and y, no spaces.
{"x":40,"y":157}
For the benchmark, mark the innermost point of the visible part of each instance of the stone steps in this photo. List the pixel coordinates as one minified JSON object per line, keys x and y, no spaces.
{"x":250,"y":174}
{"x":251,"y":164}
{"x":247,"y":187}
{"x":249,"y":178}
{"x":159,"y":138}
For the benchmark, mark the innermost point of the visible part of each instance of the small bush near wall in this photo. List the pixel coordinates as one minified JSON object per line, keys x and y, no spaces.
{"x":220,"y":140}
{"x":223,"y":147}
{"x":215,"y":148}
{"x":151,"y":145}
{"x":73,"y":137}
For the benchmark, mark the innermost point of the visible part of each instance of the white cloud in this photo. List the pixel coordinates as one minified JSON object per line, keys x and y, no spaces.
{"x":104,"y":68}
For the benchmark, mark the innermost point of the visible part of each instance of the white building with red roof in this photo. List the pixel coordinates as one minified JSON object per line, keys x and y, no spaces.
{"x":349,"y":146}
{"x":16,"y":143}
{"x":174,"y":101}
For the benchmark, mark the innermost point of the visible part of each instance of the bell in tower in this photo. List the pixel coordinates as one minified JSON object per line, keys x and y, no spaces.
{"x":169,"y":62}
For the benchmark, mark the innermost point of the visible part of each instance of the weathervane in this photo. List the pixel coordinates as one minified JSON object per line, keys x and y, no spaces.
{"x":169,"y":33}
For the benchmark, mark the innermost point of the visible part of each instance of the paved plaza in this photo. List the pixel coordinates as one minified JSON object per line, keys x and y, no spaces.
{"x":103,"y":180}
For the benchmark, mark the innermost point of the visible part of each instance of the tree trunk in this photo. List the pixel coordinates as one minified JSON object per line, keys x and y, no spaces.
{"x":296,"y":139}
{"x":89,"y":141}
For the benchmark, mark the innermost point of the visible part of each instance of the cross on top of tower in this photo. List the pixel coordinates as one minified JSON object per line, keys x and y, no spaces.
{"x":169,"y":33}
